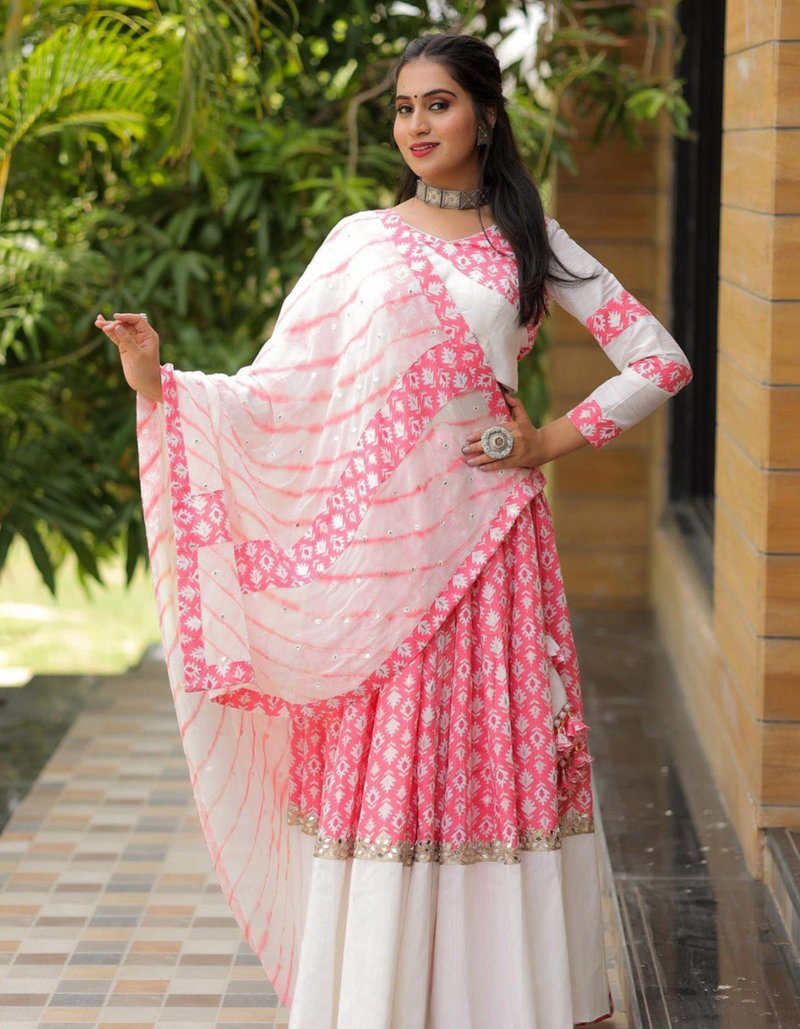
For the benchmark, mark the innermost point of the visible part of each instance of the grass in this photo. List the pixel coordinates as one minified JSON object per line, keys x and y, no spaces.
{"x":104,"y":632}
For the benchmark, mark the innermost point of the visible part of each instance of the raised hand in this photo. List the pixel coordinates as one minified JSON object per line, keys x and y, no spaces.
{"x":138,"y":346}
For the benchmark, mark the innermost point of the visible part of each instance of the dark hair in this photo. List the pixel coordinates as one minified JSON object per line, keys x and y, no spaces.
{"x":514,"y":196}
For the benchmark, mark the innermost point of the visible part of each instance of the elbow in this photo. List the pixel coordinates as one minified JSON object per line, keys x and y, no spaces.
{"x":685,"y":376}
{"x":670,"y":375}
{"x":678,"y":376}
{"x":683,"y":369}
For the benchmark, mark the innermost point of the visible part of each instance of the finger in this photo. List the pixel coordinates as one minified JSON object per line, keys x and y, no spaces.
{"x":484,"y":463}
{"x":473,"y":437}
{"x":474,"y":449}
{"x":121,"y":335}
{"x":480,"y":460}
{"x":475,"y":454}
{"x":496,"y":465}
{"x":135,"y":321}
{"x":519,"y":412}
{"x":109,"y":331}
{"x":126,"y":337}
{"x":479,"y":457}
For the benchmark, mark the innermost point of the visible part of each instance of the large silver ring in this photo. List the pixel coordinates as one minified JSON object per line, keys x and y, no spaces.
{"x":497,"y":441}
{"x":143,"y":315}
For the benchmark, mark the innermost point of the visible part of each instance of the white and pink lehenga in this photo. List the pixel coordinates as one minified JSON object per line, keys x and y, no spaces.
{"x":368,"y":641}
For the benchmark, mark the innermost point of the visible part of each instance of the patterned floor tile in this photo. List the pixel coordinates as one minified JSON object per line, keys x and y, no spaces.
{"x":110,"y":914}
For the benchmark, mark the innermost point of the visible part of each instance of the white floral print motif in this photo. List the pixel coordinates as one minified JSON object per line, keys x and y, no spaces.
{"x":651,"y":365}
{"x":457,"y":758}
{"x":201,"y":519}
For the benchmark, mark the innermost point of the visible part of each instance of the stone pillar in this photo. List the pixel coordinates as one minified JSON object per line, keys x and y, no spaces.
{"x":757,"y":530}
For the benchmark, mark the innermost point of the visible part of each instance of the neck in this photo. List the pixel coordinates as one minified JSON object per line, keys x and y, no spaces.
{"x":458,"y":182}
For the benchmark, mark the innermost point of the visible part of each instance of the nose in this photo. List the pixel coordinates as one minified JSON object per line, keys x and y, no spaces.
{"x":420,"y":123}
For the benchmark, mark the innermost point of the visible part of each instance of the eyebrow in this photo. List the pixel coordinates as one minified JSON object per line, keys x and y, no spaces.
{"x":402,"y":96}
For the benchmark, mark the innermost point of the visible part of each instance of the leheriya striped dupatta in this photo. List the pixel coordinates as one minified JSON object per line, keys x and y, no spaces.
{"x":310,"y":523}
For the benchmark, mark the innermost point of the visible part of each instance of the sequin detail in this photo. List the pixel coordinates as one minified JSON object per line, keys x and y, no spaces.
{"x":409,"y":852}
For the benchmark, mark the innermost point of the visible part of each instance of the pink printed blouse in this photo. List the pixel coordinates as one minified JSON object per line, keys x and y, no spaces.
{"x":651,"y":366}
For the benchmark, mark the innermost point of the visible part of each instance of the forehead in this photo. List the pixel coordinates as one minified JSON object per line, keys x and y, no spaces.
{"x":422,"y":75}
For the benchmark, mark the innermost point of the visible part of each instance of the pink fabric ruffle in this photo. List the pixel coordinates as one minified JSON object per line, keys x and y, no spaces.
{"x":571,"y":746}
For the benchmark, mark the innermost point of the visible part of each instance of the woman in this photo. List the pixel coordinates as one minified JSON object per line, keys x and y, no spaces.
{"x":361,"y":602}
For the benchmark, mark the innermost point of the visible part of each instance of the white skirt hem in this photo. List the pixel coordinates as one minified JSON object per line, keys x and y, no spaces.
{"x":430,"y":946}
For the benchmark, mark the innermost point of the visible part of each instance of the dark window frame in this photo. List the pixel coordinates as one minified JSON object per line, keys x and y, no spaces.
{"x":694,"y":286}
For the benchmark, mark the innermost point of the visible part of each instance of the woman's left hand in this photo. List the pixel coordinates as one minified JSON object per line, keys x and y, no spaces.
{"x":528,"y":449}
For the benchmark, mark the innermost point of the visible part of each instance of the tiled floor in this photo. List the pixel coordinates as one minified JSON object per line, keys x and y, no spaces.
{"x":110,"y":915}
{"x":782,"y":874}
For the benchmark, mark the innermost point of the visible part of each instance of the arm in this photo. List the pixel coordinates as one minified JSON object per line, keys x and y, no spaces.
{"x":651,"y":366}
{"x":138,"y":347}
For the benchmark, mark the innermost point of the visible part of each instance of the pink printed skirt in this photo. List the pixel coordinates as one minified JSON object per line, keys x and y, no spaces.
{"x":448,"y":873}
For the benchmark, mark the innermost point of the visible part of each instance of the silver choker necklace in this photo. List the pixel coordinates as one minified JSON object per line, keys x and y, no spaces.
{"x":455,"y":199}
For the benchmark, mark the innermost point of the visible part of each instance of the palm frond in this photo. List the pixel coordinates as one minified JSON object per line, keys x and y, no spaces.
{"x":98,"y":67}
{"x":209,"y":52}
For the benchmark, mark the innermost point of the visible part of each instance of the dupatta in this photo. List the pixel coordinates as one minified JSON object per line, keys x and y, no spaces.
{"x":311,"y":523}
{"x":322,"y":518}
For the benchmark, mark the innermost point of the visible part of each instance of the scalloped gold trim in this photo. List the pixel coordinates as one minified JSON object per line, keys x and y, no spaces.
{"x":407,"y":852}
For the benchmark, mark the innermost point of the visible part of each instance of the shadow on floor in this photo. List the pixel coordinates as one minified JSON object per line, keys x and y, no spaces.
{"x":33,"y":721}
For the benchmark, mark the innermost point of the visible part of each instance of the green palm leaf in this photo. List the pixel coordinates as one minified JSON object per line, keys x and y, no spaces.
{"x":97,"y":70}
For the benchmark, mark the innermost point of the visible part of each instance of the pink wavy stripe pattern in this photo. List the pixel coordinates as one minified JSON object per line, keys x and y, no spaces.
{"x":422,"y":632}
{"x":616,"y":315}
{"x":440,"y":374}
{"x":203,"y":520}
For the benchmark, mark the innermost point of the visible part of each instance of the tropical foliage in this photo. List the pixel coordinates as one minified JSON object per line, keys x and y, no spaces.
{"x":186,"y":158}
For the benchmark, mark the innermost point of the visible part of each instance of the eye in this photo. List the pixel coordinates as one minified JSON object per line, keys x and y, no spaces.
{"x":403,"y":108}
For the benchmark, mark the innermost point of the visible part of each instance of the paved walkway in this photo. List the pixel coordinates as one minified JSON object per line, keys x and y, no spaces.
{"x":110,"y":914}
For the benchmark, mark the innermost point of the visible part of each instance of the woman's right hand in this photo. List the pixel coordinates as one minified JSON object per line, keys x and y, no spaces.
{"x":138,"y":347}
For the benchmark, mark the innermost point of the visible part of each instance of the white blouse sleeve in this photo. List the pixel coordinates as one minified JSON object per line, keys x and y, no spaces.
{"x":651,"y":366}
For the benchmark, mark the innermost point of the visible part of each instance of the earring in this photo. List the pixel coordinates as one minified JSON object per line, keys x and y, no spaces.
{"x":484,"y":136}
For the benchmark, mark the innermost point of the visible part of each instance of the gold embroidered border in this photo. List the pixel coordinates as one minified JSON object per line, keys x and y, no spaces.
{"x":574,"y":823}
{"x":408,"y":852}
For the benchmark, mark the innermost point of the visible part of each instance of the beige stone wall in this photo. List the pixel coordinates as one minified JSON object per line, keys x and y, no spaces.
{"x":616,"y":208}
{"x":739,"y":661}
{"x":737,"y":658}
{"x":757,"y":558}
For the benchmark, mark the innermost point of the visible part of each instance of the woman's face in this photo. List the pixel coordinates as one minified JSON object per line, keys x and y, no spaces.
{"x":435,"y":126}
